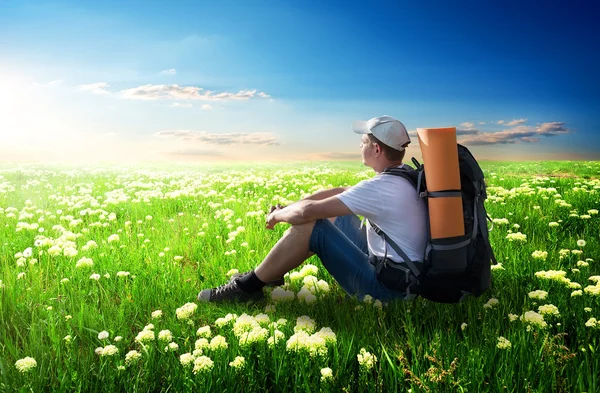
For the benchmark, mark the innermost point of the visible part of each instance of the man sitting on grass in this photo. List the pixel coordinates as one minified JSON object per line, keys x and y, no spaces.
{"x":326,"y":224}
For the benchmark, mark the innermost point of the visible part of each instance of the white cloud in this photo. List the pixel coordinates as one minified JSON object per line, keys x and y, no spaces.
{"x":170,"y":71}
{"x":471,"y":131}
{"x":516,"y":122}
{"x":517,"y":134}
{"x":96,"y":88}
{"x":53,"y":83}
{"x":242,"y":138}
{"x":177,"y":104}
{"x":154,"y":92}
{"x":500,"y":122}
{"x":468,"y":125}
{"x":482,"y":122}
{"x":207,"y":107}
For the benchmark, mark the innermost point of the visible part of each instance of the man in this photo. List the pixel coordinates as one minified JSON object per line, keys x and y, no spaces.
{"x":326,"y":224}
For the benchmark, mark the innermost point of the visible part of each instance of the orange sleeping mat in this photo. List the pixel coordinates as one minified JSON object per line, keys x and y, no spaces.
{"x":440,"y":159}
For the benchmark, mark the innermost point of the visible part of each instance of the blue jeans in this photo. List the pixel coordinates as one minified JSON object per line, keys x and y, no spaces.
{"x":342,"y":248}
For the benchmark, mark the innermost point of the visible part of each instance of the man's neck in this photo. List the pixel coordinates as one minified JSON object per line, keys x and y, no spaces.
{"x":390,"y":165}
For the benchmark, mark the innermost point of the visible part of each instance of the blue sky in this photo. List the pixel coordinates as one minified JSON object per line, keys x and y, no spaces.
{"x":266,"y":80}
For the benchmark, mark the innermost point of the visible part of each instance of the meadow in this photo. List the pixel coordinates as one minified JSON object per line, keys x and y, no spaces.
{"x":100,"y":268}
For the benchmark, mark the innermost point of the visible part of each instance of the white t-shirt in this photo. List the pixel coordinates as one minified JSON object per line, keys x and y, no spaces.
{"x":391,"y":203}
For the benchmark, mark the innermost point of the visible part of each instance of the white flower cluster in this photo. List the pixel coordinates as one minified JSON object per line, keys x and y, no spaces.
{"x":231,"y":272}
{"x":366,"y":360}
{"x":593,"y":323}
{"x":238,"y":363}
{"x":533,"y":319}
{"x":277,"y":337}
{"x":202,"y":364}
{"x":497,"y":266}
{"x":305,"y":323}
{"x":26,"y":364}
{"x":146,"y":335}
{"x":220,"y":322}
{"x":538,"y":294}
{"x":186,"y":359}
{"x":548,"y":309}
{"x":315,"y":344}
{"x":503,"y":343}
{"x":491,"y":303}
{"x":248,"y":330}
{"x":108,"y":350}
{"x":132,"y":357}
{"x":540,"y":255}
{"x":165,"y":335}
{"x":326,"y":374}
{"x":306,"y":270}
{"x":204,"y":331}
{"x":186,"y":311}
{"x":559,"y":276}
{"x":593,"y":290}
{"x":84,"y":263}
{"x":518,"y":236}
{"x":282,"y":295}
{"x":218,"y":343}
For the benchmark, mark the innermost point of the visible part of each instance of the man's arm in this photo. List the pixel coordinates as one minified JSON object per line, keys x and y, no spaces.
{"x":308,"y":210}
{"x":324,"y":194}
{"x":317,"y":196}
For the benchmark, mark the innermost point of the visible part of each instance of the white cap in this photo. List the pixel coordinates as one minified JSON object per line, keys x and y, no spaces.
{"x":385,"y":128}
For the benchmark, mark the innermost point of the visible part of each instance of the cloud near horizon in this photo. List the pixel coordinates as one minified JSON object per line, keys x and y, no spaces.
{"x":242,"y":138}
{"x":195,"y":152}
{"x":339,"y":156}
{"x":155,"y":92}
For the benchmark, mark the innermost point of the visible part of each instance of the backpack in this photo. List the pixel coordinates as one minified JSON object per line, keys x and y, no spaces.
{"x":451,"y":267}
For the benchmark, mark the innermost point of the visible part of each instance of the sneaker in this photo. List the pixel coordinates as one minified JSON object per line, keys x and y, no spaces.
{"x":275,"y":283}
{"x":228,"y":292}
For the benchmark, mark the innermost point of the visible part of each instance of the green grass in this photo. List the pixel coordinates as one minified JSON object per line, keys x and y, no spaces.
{"x":419,"y":345}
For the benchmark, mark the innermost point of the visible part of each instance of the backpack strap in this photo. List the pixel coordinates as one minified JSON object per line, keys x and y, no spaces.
{"x":396,"y":248}
{"x":477,"y":223}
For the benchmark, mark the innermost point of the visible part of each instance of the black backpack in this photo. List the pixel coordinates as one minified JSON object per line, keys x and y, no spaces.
{"x":451,"y":267}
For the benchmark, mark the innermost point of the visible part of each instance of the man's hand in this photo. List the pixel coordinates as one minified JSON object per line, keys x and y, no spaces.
{"x":271,"y":219}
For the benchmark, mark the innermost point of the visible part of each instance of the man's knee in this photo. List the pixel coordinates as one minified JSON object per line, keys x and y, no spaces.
{"x":302,"y":228}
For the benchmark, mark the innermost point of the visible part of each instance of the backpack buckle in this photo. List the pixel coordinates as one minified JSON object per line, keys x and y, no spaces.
{"x":423,"y":194}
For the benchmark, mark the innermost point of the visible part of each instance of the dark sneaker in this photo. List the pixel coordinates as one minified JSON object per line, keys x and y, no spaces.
{"x":228,"y":292}
{"x":275,"y":283}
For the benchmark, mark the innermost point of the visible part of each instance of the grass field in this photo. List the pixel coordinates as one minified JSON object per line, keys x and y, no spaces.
{"x":100,"y":268}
